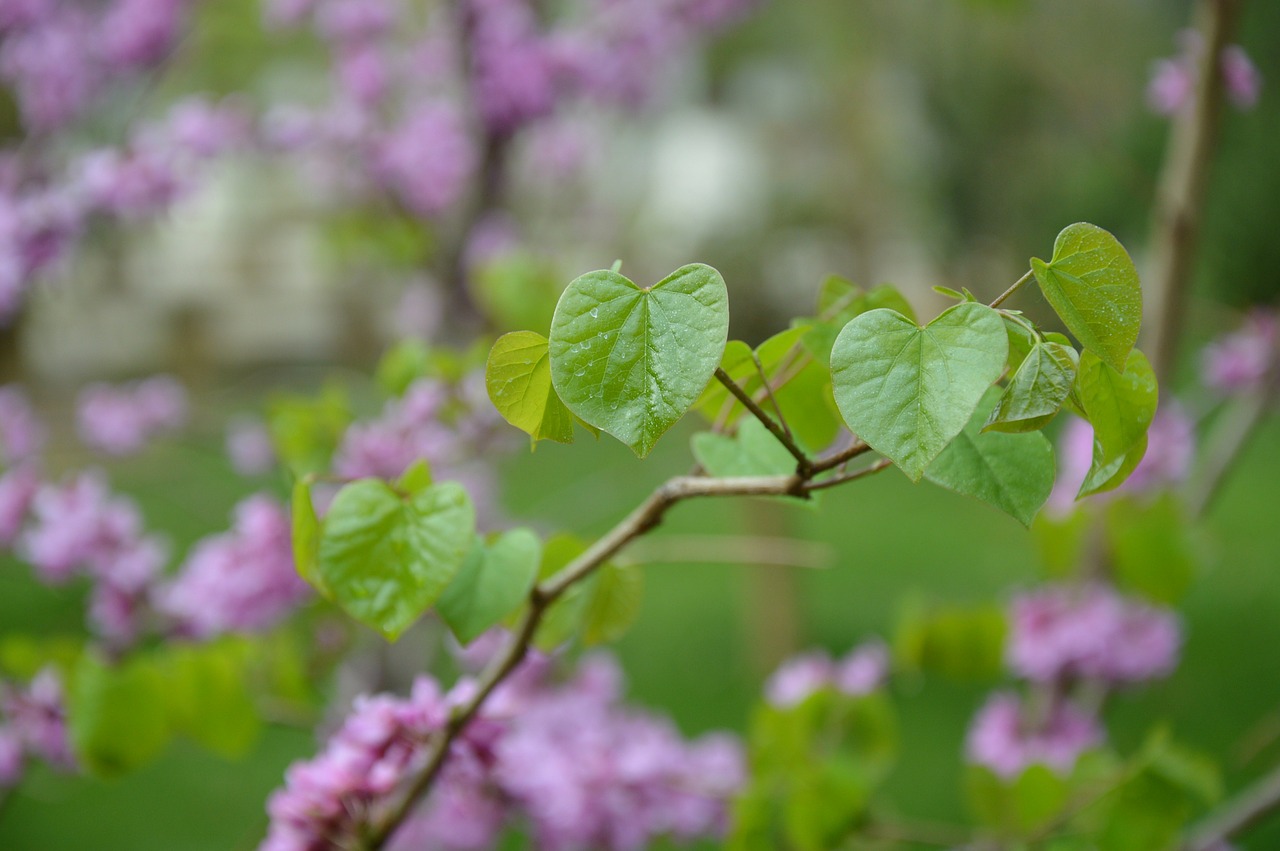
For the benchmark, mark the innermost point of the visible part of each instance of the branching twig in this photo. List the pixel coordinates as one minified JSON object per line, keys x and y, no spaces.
{"x":784,"y":437}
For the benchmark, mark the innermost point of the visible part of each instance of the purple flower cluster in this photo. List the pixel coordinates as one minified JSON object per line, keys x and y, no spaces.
{"x":863,"y":670}
{"x":1006,"y":738}
{"x":1241,"y":361}
{"x":567,"y":760}
{"x":34,"y":725}
{"x":122,"y":419}
{"x":1061,"y":633}
{"x":249,"y":446}
{"x":239,"y":581}
{"x":22,"y":435}
{"x":1059,"y":637}
{"x":1173,"y":80}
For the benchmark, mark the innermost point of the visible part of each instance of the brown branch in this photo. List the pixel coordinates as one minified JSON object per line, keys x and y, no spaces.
{"x":1242,"y":813}
{"x":1181,"y":192}
{"x":847,"y":477}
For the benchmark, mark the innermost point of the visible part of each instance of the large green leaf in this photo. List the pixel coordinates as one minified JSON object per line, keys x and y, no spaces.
{"x":908,"y":391}
{"x":493,"y":582}
{"x":1120,"y":406}
{"x":632,"y":361}
{"x":386,"y":559}
{"x":1037,"y":390}
{"x":614,"y":603}
{"x":518,"y":377}
{"x":118,"y":718}
{"x":1093,"y":287}
{"x":1013,"y":472}
{"x":753,"y":451}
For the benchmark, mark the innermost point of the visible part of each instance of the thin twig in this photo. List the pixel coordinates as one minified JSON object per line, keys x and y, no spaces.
{"x":1017,"y":285}
{"x":841,"y":479}
{"x":1243,"y":812}
{"x":802,"y":460}
{"x":768,"y":389}
{"x":844,"y":456}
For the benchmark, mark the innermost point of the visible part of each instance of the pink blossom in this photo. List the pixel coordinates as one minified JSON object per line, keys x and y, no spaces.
{"x":22,"y":435}
{"x":139,"y":33}
{"x":79,"y":526}
{"x":18,"y":488}
{"x":363,"y":74}
{"x":121,"y":419}
{"x":1241,"y":76}
{"x":799,"y":677}
{"x":408,"y":430}
{"x":239,"y":581}
{"x":1062,"y":632}
{"x":37,"y":716}
{"x":205,"y":129}
{"x":250,"y":447}
{"x":1173,"y":83}
{"x":11,"y":757}
{"x":1004,"y":739}
{"x":52,"y":68}
{"x":348,"y":21}
{"x":131,"y":184}
{"x":426,"y":160}
{"x":863,"y":670}
{"x":1240,"y":361}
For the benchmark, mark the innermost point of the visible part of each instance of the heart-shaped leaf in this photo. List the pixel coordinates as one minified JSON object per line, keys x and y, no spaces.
{"x":518,"y":377}
{"x":616,"y":592}
{"x":1093,"y":287}
{"x":493,"y":582}
{"x":1037,"y":390}
{"x":386,"y":559}
{"x":1120,"y":406}
{"x":632,"y":361}
{"x":908,"y":391}
{"x":1013,"y":472}
{"x":753,"y":451}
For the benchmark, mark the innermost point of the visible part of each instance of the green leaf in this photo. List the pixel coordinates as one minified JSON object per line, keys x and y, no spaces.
{"x":1151,"y":546}
{"x":416,"y":478}
{"x":208,"y":696}
{"x":614,"y":603}
{"x":493,"y":582}
{"x":963,"y":643}
{"x":518,"y":377}
{"x":517,"y":290}
{"x":306,"y":535}
{"x":562,"y":620}
{"x":403,"y":364}
{"x":306,"y":431}
{"x":386,"y":560}
{"x":1093,"y":287}
{"x":1013,"y":472}
{"x":1120,"y":406}
{"x":753,"y":451}
{"x":1037,"y":390}
{"x":118,"y":719}
{"x":632,"y":361}
{"x":837,"y":305}
{"x":908,"y":391}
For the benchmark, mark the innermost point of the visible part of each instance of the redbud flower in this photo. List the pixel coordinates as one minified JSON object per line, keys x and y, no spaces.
{"x":22,"y":435}
{"x":1243,"y":82}
{"x":249,"y":446}
{"x":1240,"y":361}
{"x":1004,"y":739}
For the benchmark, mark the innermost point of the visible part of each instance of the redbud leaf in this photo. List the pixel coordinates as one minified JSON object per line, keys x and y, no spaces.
{"x":1013,"y":472}
{"x":518,"y":378}
{"x":306,"y":535}
{"x":1093,"y":286}
{"x":753,"y":451}
{"x":208,"y":698}
{"x":908,"y":391}
{"x":1153,"y":552}
{"x":492,"y":583}
{"x":1120,"y":406}
{"x":837,"y":304}
{"x":387,"y":559}
{"x":1037,"y":391}
{"x":633,"y":361}
{"x":614,"y":603}
{"x":117,"y":716}
{"x":963,"y":643}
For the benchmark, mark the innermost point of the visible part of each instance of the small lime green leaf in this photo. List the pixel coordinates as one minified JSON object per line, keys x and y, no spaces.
{"x":518,"y":377}
{"x":403,"y":364}
{"x":1093,"y":286}
{"x":632,"y":361}
{"x":1153,"y":551}
{"x":385,"y":559}
{"x":416,"y":478}
{"x":306,"y":535}
{"x":950,"y":293}
{"x":518,"y":289}
{"x":493,"y":582}
{"x":616,"y":268}
{"x":963,"y":643}
{"x":1120,"y":406}
{"x":1037,"y":391}
{"x":1013,"y":472}
{"x":614,"y":603}
{"x":117,"y":719}
{"x":306,"y":431}
{"x":908,"y":391}
{"x":208,"y":696}
{"x":754,"y":451}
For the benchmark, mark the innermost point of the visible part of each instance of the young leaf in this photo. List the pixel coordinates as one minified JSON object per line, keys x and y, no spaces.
{"x":493,"y":582}
{"x":386,"y":560}
{"x":117,"y":718}
{"x":306,"y":535}
{"x":208,"y":698}
{"x":1037,"y":390}
{"x":614,"y":603}
{"x":1153,"y":551}
{"x":1120,"y":406}
{"x":518,"y":377}
{"x":632,"y":361}
{"x":1013,"y":472}
{"x":752,"y":452}
{"x":1092,"y":285}
{"x":908,"y":391}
